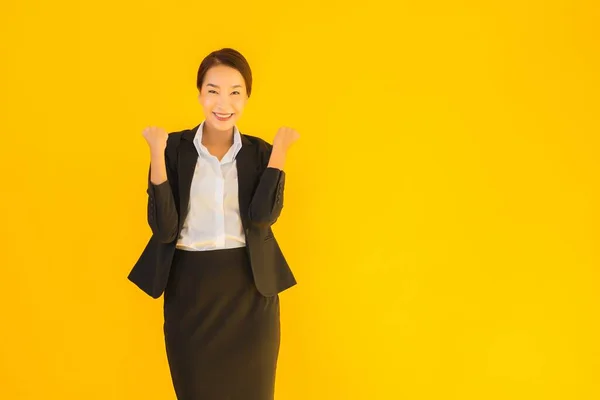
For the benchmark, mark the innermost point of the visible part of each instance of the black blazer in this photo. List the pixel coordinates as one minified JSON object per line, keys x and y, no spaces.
{"x":260,"y":200}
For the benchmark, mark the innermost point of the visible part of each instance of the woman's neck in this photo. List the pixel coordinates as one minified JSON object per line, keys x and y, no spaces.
{"x":212,"y":137}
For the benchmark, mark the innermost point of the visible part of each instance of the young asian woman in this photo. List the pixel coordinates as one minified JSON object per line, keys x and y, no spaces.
{"x":214,"y":194}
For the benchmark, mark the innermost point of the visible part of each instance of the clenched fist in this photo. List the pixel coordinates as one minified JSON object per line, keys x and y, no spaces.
{"x":284,"y":138}
{"x":156,"y":138}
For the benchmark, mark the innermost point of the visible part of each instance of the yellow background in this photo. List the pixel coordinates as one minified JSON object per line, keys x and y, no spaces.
{"x":442,"y":206}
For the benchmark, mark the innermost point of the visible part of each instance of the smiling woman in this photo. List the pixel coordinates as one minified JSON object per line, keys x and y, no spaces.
{"x":213,"y":195}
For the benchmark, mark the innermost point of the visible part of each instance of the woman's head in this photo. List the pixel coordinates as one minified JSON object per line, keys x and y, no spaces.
{"x":224,"y":84}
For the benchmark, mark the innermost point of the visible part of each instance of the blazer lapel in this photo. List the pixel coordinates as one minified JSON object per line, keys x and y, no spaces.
{"x":247,"y":170}
{"x":186,"y":164}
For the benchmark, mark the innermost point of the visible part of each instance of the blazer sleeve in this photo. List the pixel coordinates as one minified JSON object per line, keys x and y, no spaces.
{"x":162,"y":211}
{"x":267,"y":202}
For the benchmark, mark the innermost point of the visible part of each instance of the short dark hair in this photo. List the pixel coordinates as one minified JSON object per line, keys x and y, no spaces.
{"x":229,"y":57}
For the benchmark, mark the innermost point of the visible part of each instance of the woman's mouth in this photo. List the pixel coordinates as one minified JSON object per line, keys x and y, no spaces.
{"x":223,"y":117}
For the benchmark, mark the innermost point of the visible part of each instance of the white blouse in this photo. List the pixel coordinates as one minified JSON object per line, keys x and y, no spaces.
{"x":213,"y":221}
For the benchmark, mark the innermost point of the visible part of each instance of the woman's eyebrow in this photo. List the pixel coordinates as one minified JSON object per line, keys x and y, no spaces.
{"x":213,"y":85}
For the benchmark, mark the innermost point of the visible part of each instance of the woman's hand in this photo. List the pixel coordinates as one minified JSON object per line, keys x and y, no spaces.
{"x":156,"y":138}
{"x":284,"y":138}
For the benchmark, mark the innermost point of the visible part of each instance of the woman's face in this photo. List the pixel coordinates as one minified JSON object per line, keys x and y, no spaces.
{"x":223,"y":97}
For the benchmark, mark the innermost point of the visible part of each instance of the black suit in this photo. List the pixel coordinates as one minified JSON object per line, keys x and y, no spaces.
{"x":260,"y":202}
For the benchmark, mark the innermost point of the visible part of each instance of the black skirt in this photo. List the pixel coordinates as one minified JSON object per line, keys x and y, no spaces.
{"x":222,"y":336}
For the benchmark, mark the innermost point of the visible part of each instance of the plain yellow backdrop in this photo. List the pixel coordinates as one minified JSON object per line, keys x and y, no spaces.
{"x":442,"y":205}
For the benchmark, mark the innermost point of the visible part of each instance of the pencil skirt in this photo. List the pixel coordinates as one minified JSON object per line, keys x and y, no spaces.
{"x":222,"y":336}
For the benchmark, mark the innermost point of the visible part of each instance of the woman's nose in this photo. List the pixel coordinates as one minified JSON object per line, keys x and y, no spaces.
{"x":223,"y":102}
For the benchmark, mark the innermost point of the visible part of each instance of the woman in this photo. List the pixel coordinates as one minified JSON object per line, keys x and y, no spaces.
{"x":214,"y":194}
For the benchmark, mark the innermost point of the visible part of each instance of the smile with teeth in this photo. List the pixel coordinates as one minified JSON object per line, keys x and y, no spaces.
{"x":223,"y":116}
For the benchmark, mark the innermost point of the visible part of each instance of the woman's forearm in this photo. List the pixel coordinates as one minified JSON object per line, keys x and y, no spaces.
{"x":158,"y":168}
{"x":267,"y":201}
{"x":162,"y":212}
{"x":277,"y":158}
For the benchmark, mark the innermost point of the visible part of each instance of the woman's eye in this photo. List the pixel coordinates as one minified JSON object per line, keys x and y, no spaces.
{"x":214,"y":91}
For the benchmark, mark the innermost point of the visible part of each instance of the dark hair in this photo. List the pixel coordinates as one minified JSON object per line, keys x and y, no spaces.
{"x":229,"y":57}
